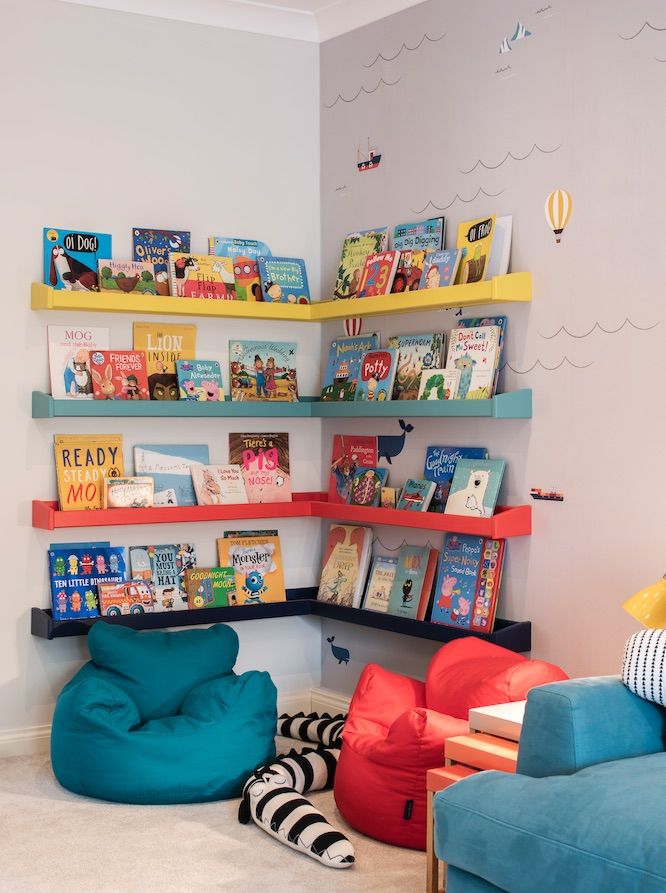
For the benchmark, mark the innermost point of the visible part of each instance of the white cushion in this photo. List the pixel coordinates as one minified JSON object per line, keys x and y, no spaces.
{"x":644,"y":665}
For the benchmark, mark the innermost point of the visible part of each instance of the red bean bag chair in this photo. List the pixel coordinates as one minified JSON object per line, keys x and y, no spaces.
{"x":397,"y":725}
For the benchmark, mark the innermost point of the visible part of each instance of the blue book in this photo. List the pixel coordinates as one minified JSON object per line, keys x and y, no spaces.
{"x":440,"y":463}
{"x":154,"y":245}
{"x":412,"y":582}
{"x":426,"y":235}
{"x":221,"y":246}
{"x":169,"y":466}
{"x":440,"y":268}
{"x":457,"y":576}
{"x":343,"y":366}
{"x":377,"y":374}
{"x":76,"y":571}
{"x":70,"y":258}
{"x":416,"y":495}
{"x":284,"y":280}
{"x":475,"y":487}
{"x":199,"y":380}
{"x":366,"y":487}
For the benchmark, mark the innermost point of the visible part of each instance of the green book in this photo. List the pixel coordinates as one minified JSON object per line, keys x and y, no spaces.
{"x":210,"y":587}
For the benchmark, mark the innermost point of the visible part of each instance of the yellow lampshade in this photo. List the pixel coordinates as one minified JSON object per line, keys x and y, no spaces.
{"x":649,"y":605}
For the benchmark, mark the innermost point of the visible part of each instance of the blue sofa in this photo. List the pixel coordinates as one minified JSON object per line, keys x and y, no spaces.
{"x":586,"y":811}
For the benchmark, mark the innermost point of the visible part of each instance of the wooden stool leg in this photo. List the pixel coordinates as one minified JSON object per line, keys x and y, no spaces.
{"x":432,"y":864}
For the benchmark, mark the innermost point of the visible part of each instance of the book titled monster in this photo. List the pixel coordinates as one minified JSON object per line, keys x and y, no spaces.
{"x":264,"y":465}
{"x":257,"y":563}
{"x":164,"y":343}
{"x":344,"y":364}
{"x":416,"y":353}
{"x":440,"y":463}
{"x":82,"y":462}
{"x":163,"y":568}
{"x":75,"y":573}
{"x":284,"y":280}
{"x":71,"y":258}
{"x":199,"y":380}
{"x":355,"y":249}
{"x":263,"y":370}
{"x":153,"y":246}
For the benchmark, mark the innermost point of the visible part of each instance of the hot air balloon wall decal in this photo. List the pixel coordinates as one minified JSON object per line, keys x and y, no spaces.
{"x":353,"y":325}
{"x":558,"y":211}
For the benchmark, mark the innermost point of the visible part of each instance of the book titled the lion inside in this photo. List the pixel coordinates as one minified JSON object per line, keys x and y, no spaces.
{"x":83,"y":462}
{"x":257,"y":563}
{"x":164,"y":343}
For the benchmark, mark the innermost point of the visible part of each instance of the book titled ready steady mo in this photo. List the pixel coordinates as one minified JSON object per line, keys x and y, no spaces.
{"x":377,"y":375}
{"x":355,"y":249}
{"x":163,"y":568}
{"x":474,"y":352}
{"x":440,"y":464}
{"x":263,"y":370}
{"x":82,"y":463}
{"x":344,"y":364}
{"x":71,"y":258}
{"x":164,"y":343}
{"x":199,"y":380}
{"x":202,"y":276}
{"x":284,"y":280}
{"x":263,"y":460}
{"x":127,"y":276}
{"x":75,"y":573}
{"x":170,"y":467}
{"x":345,"y":565}
{"x":257,"y":563}
{"x":119,"y":374}
{"x":154,"y":245}
{"x":416,"y":354}
{"x":70,"y":347}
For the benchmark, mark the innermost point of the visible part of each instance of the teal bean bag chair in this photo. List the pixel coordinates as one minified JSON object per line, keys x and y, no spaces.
{"x":160,"y":717}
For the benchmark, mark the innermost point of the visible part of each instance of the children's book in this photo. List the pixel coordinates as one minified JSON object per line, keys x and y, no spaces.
{"x":474,"y":240}
{"x":223,"y":246}
{"x":355,"y":249}
{"x":82,"y":462}
{"x":201,"y":276}
{"x":366,"y":488}
{"x":500,"y":250}
{"x":416,"y":495}
{"x":170,"y":467}
{"x":389,"y":497}
{"x":412,"y":584}
{"x":475,"y":487}
{"x":378,"y":369}
{"x":439,"y":384}
{"x":76,"y":572}
{"x":164,"y":343}
{"x":426,"y":235}
{"x":244,"y":253}
{"x":71,"y":257}
{"x":416,"y":353}
{"x":127,"y":597}
{"x":475,"y":352}
{"x":343,"y":366}
{"x":440,"y":463}
{"x":264,"y":464}
{"x":219,"y":485}
{"x":210,"y":587}
{"x":199,"y":380}
{"x":440,"y":268}
{"x":408,"y":272}
{"x":128,"y":493}
{"x":257,"y":563}
{"x":119,"y":374}
{"x":350,"y":452}
{"x":163,"y":568}
{"x":127,"y":276}
{"x":378,"y":273}
{"x":263,"y":370}
{"x":345,"y":565}
{"x":284,"y":280}
{"x":154,"y":245}
{"x":468,"y":582}
{"x":380,"y":580}
{"x":69,"y":359}
{"x":499,"y":321}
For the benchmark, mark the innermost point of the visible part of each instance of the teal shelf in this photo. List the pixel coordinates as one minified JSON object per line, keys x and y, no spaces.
{"x":512,"y":405}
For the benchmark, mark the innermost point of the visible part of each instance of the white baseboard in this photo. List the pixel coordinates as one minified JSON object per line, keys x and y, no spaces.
{"x":294,"y":702}
{"x":24,"y":742}
{"x":325,"y":700}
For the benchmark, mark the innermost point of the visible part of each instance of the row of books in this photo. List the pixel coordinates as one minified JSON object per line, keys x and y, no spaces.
{"x":457,"y":586}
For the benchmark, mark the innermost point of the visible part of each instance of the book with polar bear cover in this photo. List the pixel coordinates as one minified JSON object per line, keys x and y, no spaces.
{"x":475,"y":487}
{"x":440,"y":465}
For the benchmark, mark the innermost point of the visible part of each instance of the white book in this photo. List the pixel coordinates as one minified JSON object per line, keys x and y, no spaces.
{"x":69,"y":359}
{"x":503,"y":720}
{"x":219,"y":485}
{"x":500,"y":249}
{"x":474,"y":353}
{"x":439,"y":384}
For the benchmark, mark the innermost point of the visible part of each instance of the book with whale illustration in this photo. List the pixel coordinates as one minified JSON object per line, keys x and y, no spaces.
{"x":170,"y":466}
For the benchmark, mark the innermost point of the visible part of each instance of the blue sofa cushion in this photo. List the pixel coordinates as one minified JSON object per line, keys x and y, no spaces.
{"x":601,"y":829}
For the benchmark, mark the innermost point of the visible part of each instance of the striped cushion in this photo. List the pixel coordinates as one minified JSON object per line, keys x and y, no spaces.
{"x":644,"y":665}
{"x":320,"y":728}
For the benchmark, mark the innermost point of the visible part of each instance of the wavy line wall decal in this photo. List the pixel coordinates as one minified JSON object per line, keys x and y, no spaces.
{"x":456,"y":198}
{"x":601,"y":328}
{"x":493,"y":167}
{"x":544,"y":367}
{"x":404,"y":48}
{"x":360,"y":90}
{"x":641,"y":29}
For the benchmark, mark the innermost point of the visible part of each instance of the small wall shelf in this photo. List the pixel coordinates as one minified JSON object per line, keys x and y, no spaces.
{"x":500,"y":289}
{"x":511,"y":405}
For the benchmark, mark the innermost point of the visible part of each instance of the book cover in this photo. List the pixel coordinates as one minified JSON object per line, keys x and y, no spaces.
{"x":69,"y":359}
{"x":210,"y":587}
{"x":224,"y":246}
{"x":474,"y":351}
{"x":199,"y":380}
{"x":153,"y":246}
{"x":245,"y":254}
{"x":389,"y":497}
{"x":75,"y":573}
{"x":127,"y":276}
{"x":409,"y":581}
{"x":380,"y":580}
{"x":474,"y":240}
{"x":82,"y":462}
{"x":219,"y":485}
{"x":163,"y":568}
{"x":170,"y":467}
{"x":70,"y":258}
{"x":201,"y":276}
{"x":408,"y":272}
{"x":263,"y":370}
{"x":264,"y":465}
{"x":257,"y":564}
{"x":439,"y":384}
{"x":425,"y":235}
{"x":500,"y":250}
{"x":119,"y":374}
{"x":440,"y":463}
{"x":472,"y":322}
{"x":416,"y":353}
{"x":377,"y":275}
{"x":344,"y":364}
{"x":366,"y":487}
{"x":349,"y":453}
{"x":416,"y":495}
{"x":475,"y":487}
{"x":164,"y":343}
{"x":284,"y":280}
{"x":345,"y":565}
{"x":440,"y":268}
{"x":355,"y":249}
{"x":127,"y":597}
{"x":128,"y":493}
{"x":378,"y":368}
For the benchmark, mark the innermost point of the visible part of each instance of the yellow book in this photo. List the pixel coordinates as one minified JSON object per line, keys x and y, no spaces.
{"x":257,"y":563}
{"x":83,"y":462}
{"x":202,"y":276}
{"x":164,"y":343}
{"x":474,"y":240}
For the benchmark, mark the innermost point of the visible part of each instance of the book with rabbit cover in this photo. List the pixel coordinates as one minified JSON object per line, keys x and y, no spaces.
{"x":163,"y":567}
{"x":82,"y":463}
{"x":154,"y":245}
{"x":119,"y":374}
{"x":257,"y":563}
{"x":71,"y":258}
{"x":345,"y":565}
{"x":475,"y":487}
{"x":264,"y":465}
{"x":70,"y":347}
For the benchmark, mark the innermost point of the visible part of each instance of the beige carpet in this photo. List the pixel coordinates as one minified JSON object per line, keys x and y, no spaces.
{"x":52,"y":841}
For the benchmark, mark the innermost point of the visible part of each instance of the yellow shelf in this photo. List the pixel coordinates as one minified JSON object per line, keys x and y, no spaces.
{"x":501,"y":289}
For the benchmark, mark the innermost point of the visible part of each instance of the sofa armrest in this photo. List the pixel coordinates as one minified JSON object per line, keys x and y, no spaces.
{"x":574,"y":724}
{"x":381,"y":697}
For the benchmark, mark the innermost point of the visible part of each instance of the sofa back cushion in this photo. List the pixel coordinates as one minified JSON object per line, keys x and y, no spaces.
{"x":471,"y":673}
{"x":158,"y":668}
